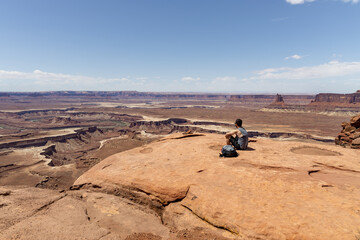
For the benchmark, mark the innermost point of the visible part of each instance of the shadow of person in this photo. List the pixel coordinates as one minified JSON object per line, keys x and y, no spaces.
{"x":249,"y":149}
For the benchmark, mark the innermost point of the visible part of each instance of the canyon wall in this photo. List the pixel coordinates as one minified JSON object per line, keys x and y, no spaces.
{"x":342,"y":104}
{"x":353,"y":98}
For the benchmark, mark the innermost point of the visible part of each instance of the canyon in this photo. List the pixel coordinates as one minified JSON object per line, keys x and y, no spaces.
{"x":132,"y":165}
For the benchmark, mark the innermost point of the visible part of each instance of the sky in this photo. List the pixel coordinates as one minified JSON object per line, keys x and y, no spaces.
{"x":228,"y":46}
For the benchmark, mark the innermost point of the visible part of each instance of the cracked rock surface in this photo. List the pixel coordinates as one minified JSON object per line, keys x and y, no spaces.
{"x":33,"y":213}
{"x":178,"y":188}
{"x":274,"y":190}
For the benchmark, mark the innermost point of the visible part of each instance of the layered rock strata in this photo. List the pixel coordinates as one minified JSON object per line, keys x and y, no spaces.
{"x":353,"y":98}
{"x":324,"y":103}
{"x":350,"y":134}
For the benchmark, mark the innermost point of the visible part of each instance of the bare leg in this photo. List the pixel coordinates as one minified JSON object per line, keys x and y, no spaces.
{"x":228,"y":140}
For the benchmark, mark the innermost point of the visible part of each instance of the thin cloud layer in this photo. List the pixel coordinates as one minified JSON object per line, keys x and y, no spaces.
{"x":190,"y":79}
{"x":296,"y":57}
{"x":327,"y":70}
{"x":298,"y":1}
{"x":294,"y":2}
{"x":41,"y":76}
{"x":40,"y":80}
{"x":228,"y":79}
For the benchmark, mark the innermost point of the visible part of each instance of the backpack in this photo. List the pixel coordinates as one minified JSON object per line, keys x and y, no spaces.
{"x":228,"y":151}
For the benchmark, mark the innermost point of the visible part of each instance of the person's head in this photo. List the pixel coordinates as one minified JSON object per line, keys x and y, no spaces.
{"x":238,"y":122}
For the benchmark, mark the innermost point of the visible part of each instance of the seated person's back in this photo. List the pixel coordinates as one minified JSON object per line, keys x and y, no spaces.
{"x":241,"y":139}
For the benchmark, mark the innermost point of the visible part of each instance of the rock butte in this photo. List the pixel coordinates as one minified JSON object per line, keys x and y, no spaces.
{"x":274,"y":190}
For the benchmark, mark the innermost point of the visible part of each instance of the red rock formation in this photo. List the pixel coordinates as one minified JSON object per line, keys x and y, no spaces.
{"x":337,"y":99}
{"x":278,"y":103}
{"x":279,"y":100}
{"x":251,"y":197}
{"x":350,"y":135}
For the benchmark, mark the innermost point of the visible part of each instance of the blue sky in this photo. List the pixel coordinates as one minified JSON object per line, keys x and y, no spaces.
{"x":233,"y":46}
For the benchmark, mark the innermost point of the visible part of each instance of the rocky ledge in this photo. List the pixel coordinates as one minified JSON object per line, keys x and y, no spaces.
{"x":350,"y":134}
{"x":179,"y":188}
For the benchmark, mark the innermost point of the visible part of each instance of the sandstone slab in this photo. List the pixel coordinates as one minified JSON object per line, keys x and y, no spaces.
{"x":36,"y":214}
{"x":269,"y":192}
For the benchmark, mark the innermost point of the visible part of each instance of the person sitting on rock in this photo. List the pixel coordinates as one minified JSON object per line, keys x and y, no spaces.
{"x":240,"y":141}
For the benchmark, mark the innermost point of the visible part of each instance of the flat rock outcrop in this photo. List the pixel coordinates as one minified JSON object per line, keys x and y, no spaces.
{"x":274,"y":190}
{"x":350,"y":134}
{"x":36,"y":214}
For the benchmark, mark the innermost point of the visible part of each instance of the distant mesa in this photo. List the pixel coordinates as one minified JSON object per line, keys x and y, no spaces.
{"x":305,"y":102}
{"x":337,"y":99}
{"x":36,"y":94}
{"x":239,"y":98}
{"x":339,"y":103}
{"x":3,"y":94}
{"x":260,"y":99}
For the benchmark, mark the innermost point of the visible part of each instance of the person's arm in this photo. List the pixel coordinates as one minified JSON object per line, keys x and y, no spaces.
{"x":229,"y":134}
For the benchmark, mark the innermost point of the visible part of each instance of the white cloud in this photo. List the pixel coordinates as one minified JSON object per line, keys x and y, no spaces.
{"x":298,"y":1}
{"x":190,"y":79}
{"x":327,"y":70}
{"x":296,"y":57}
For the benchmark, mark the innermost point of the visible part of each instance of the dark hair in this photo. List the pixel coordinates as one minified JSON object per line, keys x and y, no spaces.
{"x":238,"y":122}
